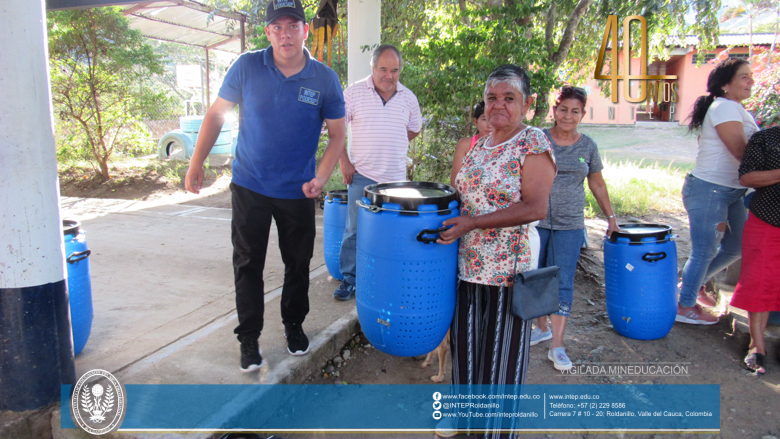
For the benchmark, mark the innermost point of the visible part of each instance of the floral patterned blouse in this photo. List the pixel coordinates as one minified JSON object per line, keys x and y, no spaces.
{"x":490,"y":180}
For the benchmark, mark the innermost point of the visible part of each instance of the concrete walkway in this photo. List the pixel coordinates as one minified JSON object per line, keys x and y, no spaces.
{"x":164,"y":300}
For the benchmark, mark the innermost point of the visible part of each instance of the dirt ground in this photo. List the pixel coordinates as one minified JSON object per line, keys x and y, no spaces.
{"x":749,"y":405}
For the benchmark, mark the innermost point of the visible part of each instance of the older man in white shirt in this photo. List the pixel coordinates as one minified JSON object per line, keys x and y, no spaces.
{"x":383,"y":116}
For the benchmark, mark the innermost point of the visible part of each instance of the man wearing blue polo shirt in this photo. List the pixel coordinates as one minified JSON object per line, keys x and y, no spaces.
{"x":284,"y":95}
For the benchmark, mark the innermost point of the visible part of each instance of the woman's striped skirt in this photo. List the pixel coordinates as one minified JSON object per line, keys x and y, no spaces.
{"x":489,"y":344}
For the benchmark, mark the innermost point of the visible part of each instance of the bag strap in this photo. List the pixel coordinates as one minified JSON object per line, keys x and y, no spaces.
{"x":552,"y":234}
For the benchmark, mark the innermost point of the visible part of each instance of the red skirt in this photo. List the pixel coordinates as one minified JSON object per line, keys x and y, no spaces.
{"x":758,"y":289}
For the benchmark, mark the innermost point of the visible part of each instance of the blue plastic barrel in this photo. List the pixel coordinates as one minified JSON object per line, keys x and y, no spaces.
{"x":224,"y":138}
{"x":405,"y":281}
{"x":334,"y":220}
{"x":79,"y":283}
{"x":640,"y":267}
{"x":223,"y":145}
{"x":191,"y":124}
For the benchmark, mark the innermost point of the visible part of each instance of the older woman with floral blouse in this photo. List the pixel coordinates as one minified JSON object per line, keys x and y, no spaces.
{"x":504,"y":184}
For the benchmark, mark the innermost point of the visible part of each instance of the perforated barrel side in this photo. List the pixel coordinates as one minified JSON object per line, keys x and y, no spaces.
{"x":405,"y":289}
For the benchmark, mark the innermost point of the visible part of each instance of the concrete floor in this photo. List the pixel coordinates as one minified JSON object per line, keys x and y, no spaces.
{"x":164,"y":300}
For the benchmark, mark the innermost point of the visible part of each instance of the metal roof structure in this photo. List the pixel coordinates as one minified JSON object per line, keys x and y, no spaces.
{"x":176,"y":21}
{"x":724,"y":39}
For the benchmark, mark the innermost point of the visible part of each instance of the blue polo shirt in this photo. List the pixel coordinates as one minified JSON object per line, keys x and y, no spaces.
{"x":281,"y":121}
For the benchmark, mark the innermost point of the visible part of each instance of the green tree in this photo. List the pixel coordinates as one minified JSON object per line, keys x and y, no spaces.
{"x":570,"y":30}
{"x":753,"y":8}
{"x":450,"y":48}
{"x":776,"y":8}
{"x":448,"y":73}
{"x":665,"y":19}
{"x":97,"y":64}
{"x":764,"y":102}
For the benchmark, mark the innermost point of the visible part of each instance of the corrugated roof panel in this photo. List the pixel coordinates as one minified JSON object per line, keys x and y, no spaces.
{"x":724,"y":40}
{"x":744,"y":39}
{"x":166,"y":20}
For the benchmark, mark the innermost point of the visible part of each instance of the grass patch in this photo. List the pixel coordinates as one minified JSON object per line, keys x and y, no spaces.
{"x":609,"y":138}
{"x":671,"y":146}
{"x":637,"y":189}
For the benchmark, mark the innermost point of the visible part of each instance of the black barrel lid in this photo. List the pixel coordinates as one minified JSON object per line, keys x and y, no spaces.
{"x":636,"y":232}
{"x":340,"y":194}
{"x":411,"y":194}
{"x":70,"y":227}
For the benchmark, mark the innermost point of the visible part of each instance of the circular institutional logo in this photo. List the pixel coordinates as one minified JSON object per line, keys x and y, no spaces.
{"x":98,"y":402}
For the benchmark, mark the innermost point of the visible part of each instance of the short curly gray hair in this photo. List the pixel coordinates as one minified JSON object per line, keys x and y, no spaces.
{"x":513,"y":75}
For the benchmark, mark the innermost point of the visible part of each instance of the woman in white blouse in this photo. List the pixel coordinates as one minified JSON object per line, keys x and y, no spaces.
{"x":712,"y":194}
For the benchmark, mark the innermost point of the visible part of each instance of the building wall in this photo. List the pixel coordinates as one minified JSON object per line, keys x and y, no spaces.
{"x":598,"y":108}
{"x":691,"y":83}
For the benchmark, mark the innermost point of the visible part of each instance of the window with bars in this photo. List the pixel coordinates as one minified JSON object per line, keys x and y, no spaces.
{"x":707,"y":57}
{"x":738,"y":55}
{"x":611,"y":113}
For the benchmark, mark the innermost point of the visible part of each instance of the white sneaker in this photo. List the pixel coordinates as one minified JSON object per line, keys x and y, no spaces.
{"x":537,"y":336}
{"x":559,"y":358}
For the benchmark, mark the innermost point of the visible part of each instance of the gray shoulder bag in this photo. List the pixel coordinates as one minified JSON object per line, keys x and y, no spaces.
{"x":535,"y":292}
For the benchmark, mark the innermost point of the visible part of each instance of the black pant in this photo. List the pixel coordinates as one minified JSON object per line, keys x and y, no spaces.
{"x":250,"y":227}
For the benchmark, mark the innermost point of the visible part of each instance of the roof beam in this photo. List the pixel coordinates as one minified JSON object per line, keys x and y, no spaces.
{"x":203,"y":8}
{"x":170,"y":23}
{"x":136,"y":8}
{"x":173,"y":41}
{"x":57,"y":5}
{"x":222,"y":43}
{"x":168,"y":40}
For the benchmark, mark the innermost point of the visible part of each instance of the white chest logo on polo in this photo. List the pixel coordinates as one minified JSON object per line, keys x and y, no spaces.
{"x":283,"y":4}
{"x":309,"y":96}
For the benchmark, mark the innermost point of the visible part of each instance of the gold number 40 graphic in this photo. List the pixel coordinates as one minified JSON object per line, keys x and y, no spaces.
{"x":614,"y":76}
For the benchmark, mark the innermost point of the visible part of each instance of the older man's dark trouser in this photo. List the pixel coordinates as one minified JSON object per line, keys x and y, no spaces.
{"x":250,"y":228}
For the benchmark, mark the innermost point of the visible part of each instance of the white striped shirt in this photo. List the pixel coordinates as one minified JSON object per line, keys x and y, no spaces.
{"x":378,"y":133}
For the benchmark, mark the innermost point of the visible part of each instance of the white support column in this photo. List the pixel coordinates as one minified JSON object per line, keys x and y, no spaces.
{"x":364,"y":24}
{"x":31,"y":233}
{"x":37,"y":349}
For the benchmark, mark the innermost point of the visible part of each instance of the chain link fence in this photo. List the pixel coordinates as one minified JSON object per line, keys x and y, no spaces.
{"x":182,"y":98}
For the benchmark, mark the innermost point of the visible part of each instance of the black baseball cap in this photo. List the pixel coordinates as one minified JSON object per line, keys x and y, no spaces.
{"x":280,"y":8}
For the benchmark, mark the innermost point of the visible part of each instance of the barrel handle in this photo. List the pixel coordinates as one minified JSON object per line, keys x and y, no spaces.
{"x":372,"y":209}
{"x":78,"y":256}
{"x":653,"y":257}
{"x":432,"y":231}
